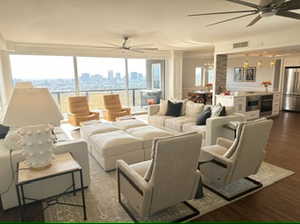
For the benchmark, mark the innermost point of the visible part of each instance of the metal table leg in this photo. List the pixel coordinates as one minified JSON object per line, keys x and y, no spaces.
{"x":82,"y":194}
{"x":73,"y":183}
{"x":20,"y":203}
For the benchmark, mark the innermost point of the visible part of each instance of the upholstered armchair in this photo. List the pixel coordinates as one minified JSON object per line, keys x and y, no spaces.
{"x":79,"y":110}
{"x":171,"y":177}
{"x":112,"y":107}
{"x":228,"y":161}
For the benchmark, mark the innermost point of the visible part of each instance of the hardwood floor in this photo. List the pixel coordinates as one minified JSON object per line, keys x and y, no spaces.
{"x":279,"y":202}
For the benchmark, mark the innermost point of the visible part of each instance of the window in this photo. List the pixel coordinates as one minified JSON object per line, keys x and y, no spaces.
{"x":53,"y":72}
{"x":156,"y":76}
{"x":101,"y":73}
{"x":198,"y":76}
{"x":210,"y":75}
{"x":64,"y":76}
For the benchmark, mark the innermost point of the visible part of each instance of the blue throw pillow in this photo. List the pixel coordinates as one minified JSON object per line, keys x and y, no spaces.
{"x":201,"y":120}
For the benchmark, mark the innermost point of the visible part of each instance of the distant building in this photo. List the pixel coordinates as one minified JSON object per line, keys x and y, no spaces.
{"x":110,"y":75}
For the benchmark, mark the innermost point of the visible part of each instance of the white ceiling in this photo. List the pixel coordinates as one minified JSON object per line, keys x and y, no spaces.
{"x":163,"y":23}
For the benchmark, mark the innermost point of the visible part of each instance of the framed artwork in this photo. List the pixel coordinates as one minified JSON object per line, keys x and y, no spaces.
{"x":244,"y":74}
{"x":250,"y":74}
{"x":239,"y":74}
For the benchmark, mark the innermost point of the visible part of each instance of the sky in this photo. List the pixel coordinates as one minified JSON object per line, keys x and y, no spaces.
{"x":53,"y":67}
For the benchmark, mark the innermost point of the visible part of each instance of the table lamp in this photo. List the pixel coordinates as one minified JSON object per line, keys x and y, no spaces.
{"x":30,"y":110}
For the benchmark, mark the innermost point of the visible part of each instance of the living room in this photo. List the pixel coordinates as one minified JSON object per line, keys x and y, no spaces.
{"x":168,"y":112}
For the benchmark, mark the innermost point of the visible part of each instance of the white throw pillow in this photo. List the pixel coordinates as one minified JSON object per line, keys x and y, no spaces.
{"x":193,"y":109}
{"x":163,"y":107}
{"x":216,"y":110}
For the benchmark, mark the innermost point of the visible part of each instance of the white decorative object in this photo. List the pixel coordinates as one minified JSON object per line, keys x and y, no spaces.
{"x":13,"y":141}
{"x":37,"y":145}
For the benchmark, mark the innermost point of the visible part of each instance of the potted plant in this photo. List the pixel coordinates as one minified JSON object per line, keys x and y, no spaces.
{"x":266,"y":84}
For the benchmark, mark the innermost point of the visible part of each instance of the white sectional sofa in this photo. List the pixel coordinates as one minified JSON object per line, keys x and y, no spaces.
{"x":213,"y":129}
{"x":129,"y":140}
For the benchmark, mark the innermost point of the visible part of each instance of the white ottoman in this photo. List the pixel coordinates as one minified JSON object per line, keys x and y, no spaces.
{"x":147,"y":134}
{"x":97,"y":128}
{"x":125,"y":124}
{"x":108,"y":147}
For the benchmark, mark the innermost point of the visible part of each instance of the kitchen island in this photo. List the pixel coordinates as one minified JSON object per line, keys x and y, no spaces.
{"x":253,"y":104}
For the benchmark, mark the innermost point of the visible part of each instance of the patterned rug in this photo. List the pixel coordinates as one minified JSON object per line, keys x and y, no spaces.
{"x":102,"y":204}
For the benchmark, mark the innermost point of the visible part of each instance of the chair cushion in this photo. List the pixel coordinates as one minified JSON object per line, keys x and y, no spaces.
{"x":178,"y":122}
{"x":217,"y":149}
{"x":141,"y":167}
{"x":115,"y":143}
{"x":147,"y":134}
{"x":174,"y":109}
{"x":97,"y":128}
{"x":132,"y":123}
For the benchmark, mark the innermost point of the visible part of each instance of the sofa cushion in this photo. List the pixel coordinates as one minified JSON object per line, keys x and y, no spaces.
{"x":176,"y":123}
{"x":201,"y":120}
{"x":125,"y":124}
{"x":147,"y":134}
{"x":174,"y":109}
{"x":115,"y":143}
{"x":188,"y":127}
{"x":158,"y":120}
{"x":96,"y":128}
{"x":193,"y":109}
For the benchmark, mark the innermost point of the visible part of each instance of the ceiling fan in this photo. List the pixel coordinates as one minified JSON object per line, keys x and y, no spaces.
{"x":266,"y":8}
{"x":126,"y":47}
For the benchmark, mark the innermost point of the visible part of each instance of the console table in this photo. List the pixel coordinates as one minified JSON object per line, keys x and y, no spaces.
{"x":63,"y":164}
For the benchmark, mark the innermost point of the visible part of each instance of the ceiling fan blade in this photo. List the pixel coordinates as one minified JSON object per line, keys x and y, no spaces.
{"x":111,"y":44}
{"x":234,"y":18}
{"x":217,"y":13}
{"x":291,"y":5}
{"x":137,"y":51}
{"x":145,"y":49}
{"x":244,"y":3}
{"x":255,"y":20}
{"x":288,"y":14}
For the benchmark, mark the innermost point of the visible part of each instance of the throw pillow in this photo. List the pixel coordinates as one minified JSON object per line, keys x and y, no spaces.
{"x":174,"y":109}
{"x":183,"y":104}
{"x":193,"y":109}
{"x":163,"y":107}
{"x":201,"y":120}
{"x":216,"y":110}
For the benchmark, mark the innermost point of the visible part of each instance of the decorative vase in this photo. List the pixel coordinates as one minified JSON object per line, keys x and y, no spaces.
{"x":266,"y":88}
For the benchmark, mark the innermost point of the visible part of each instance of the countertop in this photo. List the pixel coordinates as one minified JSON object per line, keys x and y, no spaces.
{"x":237,"y":94}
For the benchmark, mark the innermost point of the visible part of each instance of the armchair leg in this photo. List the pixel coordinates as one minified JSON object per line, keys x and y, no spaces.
{"x":195,"y":212}
{"x":216,"y":191}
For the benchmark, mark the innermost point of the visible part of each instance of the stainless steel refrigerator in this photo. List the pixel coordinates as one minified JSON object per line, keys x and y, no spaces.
{"x":291,"y":91}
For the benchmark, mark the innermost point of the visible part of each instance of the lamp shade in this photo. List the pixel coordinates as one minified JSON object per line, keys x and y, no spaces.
{"x":31,"y":106}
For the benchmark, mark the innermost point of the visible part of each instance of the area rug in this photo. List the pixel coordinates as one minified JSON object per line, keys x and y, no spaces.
{"x":102,"y":204}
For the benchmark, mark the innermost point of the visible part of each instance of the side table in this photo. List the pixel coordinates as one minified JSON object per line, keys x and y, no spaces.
{"x":63,"y":164}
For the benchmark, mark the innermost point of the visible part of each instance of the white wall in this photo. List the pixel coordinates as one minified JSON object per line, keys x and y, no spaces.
{"x":263,"y":73}
{"x":188,"y":72}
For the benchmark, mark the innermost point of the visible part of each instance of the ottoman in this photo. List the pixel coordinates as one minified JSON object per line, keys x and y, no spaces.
{"x":125,"y":124}
{"x":109,"y":147}
{"x":97,"y":128}
{"x":147,"y":134}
